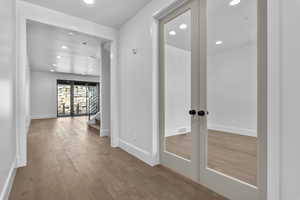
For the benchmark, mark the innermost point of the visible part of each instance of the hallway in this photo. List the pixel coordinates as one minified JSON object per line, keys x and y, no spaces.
{"x":66,"y":160}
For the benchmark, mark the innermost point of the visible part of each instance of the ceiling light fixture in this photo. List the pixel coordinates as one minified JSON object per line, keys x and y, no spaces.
{"x":183,"y":26}
{"x":64,"y":47}
{"x":219,"y":42}
{"x":52,"y":70}
{"x":54,"y":65}
{"x":234,"y":2}
{"x":58,"y":57}
{"x":89,"y":2}
{"x":71,"y":33}
{"x":172,"y":33}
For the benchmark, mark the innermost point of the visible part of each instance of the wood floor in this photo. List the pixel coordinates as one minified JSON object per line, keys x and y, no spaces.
{"x":68,"y":161}
{"x":231,"y":154}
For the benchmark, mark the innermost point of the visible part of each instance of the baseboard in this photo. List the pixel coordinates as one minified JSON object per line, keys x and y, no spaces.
{"x":138,"y":153}
{"x":234,"y":130}
{"x":4,"y":195}
{"x":178,"y":131}
{"x":104,"y":132}
{"x":50,"y":116}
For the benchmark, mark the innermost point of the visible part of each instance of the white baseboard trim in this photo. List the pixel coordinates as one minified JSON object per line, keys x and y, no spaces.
{"x":104,"y":132}
{"x":4,"y":195}
{"x":138,"y":153}
{"x":50,"y":116}
{"x":234,"y":130}
{"x":178,"y":131}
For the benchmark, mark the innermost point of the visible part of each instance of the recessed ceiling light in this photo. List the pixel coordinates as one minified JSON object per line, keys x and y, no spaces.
{"x":52,"y":70}
{"x":172,"y":33}
{"x":71,"y":33}
{"x":183,"y":26}
{"x":219,"y":42}
{"x":90,"y":2}
{"x":64,"y":47}
{"x":54,"y":65}
{"x":58,"y":57}
{"x":234,"y":2}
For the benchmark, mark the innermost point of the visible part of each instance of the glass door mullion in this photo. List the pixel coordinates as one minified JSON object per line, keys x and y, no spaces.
{"x":72,"y":99}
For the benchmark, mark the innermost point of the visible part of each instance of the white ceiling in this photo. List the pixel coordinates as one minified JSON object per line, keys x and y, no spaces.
{"x":106,"y":12}
{"x":234,"y":25}
{"x":45,"y":45}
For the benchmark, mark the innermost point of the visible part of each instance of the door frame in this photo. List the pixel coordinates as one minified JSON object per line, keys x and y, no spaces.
{"x":27,"y":11}
{"x":268,"y":29}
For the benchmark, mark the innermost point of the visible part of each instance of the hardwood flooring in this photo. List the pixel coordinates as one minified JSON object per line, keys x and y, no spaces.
{"x":231,"y":154}
{"x":69,"y":161}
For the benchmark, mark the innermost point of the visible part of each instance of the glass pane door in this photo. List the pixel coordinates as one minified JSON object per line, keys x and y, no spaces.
{"x":63,"y":100}
{"x":179,"y":77}
{"x":177,"y":45}
{"x":80,"y":99}
{"x":76,"y":98}
{"x":229,"y":133}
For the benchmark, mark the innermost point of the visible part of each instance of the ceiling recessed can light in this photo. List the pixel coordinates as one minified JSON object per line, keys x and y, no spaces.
{"x":219,"y":42}
{"x":234,"y":2}
{"x":183,"y":26}
{"x":64,"y":47}
{"x":54,"y":65}
{"x":89,"y":2}
{"x":58,"y":57}
{"x":172,"y":33}
{"x":71,"y":33}
{"x":52,"y":70}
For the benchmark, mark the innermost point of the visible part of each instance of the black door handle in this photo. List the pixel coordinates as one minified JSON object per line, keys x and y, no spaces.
{"x":202,"y":113}
{"x":192,"y":112}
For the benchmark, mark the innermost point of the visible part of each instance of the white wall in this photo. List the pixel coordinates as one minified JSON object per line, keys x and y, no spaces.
{"x":44,"y":92}
{"x":27,"y":101}
{"x":290,"y":99}
{"x":105,"y":92}
{"x":7,"y":100}
{"x":136,"y":132}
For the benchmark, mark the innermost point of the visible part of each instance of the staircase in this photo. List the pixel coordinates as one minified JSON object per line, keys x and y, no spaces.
{"x":93,"y":108}
{"x":94,"y":121}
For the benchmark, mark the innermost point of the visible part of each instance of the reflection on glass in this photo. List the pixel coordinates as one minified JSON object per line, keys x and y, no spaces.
{"x":80,"y":99}
{"x":64,"y":100}
{"x":232,"y":89}
{"x":178,"y":85}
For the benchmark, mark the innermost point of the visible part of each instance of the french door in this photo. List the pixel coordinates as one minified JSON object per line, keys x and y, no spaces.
{"x":212,"y":103}
{"x":77,"y":98}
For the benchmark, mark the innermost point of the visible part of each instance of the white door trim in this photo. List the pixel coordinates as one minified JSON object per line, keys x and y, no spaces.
{"x":274,"y":100}
{"x":27,"y":11}
{"x":272,"y":10}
